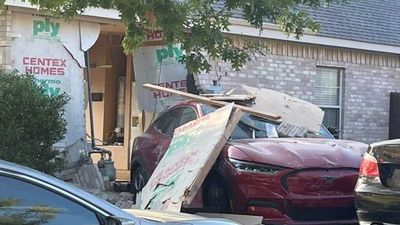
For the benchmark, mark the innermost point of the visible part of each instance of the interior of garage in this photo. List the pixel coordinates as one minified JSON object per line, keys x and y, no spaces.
{"x":116,"y":118}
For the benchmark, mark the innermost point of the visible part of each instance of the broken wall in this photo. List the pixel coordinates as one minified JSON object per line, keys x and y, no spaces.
{"x":53,"y":50}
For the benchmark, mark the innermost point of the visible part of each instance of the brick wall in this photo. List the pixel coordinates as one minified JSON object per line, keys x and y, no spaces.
{"x":368,"y":80}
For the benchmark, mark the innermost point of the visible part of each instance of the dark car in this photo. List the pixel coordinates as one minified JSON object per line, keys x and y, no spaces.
{"x":30,"y":197}
{"x":378,"y":185}
{"x":285,"y":180}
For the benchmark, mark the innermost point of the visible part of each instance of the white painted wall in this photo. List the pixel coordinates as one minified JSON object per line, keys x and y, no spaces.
{"x":159,"y":65}
{"x":51,"y":49}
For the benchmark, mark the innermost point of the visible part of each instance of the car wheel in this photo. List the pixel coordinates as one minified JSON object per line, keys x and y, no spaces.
{"x":138,"y":180}
{"x":215,"y":196}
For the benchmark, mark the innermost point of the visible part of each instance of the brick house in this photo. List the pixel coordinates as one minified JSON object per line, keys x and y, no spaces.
{"x":349,"y":68}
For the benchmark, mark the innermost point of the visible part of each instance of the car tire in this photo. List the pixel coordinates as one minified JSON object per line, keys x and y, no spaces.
{"x":215,"y":195}
{"x":138,"y":180}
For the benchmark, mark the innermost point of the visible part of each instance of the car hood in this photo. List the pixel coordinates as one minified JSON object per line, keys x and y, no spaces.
{"x":176,"y":217}
{"x":302,"y":153}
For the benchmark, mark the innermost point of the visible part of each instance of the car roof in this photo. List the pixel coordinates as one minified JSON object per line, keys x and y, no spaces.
{"x":387,"y":142}
{"x":101,"y":204}
{"x":186,"y":103}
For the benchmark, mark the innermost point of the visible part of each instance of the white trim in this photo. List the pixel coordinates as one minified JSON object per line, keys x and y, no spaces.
{"x":81,"y":17}
{"x":330,"y":106}
{"x":239,"y":27}
{"x":339,"y":107}
{"x":341,"y":100}
{"x":271,"y":31}
{"x":97,"y":13}
{"x":102,"y":13}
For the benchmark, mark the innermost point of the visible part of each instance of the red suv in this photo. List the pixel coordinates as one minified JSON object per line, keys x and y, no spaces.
{"x":285,"y":180}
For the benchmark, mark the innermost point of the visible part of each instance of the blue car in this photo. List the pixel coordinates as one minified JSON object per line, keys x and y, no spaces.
{"x":29,"y":197}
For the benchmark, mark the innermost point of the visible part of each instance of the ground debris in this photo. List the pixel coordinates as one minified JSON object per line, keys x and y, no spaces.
{"x":122,"y":200}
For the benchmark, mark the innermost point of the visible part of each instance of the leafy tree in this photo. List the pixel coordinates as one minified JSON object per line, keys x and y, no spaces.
{"x":198,"y":24}
{"x":30,"y":122}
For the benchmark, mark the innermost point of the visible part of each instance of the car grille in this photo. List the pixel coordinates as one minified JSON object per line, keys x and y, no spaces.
{"x":321,"y":194}
{"x":318,"y":214}
{"x":334,"y":182}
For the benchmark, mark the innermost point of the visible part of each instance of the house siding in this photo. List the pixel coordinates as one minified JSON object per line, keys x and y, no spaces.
{"x":291,"y":68}
{"x":5,"y":39}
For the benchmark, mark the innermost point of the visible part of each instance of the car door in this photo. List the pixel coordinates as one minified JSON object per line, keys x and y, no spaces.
{"x":167,"y":123}
{"x":25,"y":202}
{"x":163,"y":129}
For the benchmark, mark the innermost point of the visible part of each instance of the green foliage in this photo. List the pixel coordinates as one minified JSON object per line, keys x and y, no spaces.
{"x":197,"y":24}
{"x":30,"y":122}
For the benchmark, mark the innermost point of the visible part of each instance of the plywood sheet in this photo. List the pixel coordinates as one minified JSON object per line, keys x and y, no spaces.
{"x":242,"y":219}
{"x":190,"y":156}
{"x":293,"y":110}
{"x":159,"y":65}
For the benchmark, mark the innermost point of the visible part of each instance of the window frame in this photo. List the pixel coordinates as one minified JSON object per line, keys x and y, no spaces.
{"x":155,"y":126}
{"x":58,"y":191}
{"x":340,"y":75}
{"x":169,"y":110}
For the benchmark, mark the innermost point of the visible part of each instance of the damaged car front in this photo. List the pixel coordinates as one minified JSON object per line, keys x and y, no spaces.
{"x":307,"y":180}
{"x":285,"y":180}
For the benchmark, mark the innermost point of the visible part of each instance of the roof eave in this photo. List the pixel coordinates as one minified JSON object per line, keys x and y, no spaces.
{"x":271,"y":31}
{"x":108,"y":16}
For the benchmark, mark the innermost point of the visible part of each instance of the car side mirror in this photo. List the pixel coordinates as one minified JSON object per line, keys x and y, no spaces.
{"x":112,"y":220}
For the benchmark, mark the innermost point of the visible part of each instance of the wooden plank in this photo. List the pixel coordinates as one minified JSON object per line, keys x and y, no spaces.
{"x":233,"y":98}
{"x":128,"y":108}
{"x":294,"y":111}
{"x":205,"y":100}
{"x":228,"y":93}
{"x":241,"y":219}
{"x":394,"y":116}
{"x":193,"y":150}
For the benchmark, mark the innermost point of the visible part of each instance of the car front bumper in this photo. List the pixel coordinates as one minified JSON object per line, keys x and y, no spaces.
{"x":263,"y":195}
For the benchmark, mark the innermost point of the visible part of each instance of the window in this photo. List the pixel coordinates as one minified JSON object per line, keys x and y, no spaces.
{"x":167,"y":122}
{"x":24,"y":203}
{"x":188,"y":114}
{"x":170,"y":120}
{"x":328,"y":96}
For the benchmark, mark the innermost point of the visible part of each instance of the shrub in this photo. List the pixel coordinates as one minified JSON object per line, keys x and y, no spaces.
{"x":30,"y":122}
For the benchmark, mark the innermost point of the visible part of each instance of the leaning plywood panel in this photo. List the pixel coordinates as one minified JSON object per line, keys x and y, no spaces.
{"x":293,"y":111}
{"x":242,"y":219}
{"x":193,"y":150}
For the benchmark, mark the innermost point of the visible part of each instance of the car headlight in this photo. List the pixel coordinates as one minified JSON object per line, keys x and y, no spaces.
{"x":255,"y":167}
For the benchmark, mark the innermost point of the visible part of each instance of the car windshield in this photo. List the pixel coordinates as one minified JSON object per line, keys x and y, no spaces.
{"x":250,"y":127}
